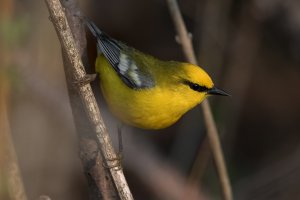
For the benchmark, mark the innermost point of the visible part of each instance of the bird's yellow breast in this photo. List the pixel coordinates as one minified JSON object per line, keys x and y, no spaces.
{"x":150,"y":108}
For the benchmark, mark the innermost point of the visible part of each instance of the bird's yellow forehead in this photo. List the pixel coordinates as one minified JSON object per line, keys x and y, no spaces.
{"x":197,"y":75}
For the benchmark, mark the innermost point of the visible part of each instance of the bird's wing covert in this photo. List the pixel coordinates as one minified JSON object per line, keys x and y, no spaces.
{"x":133,"y":75}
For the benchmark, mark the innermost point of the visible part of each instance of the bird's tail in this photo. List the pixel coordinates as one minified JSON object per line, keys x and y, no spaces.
{"x":110,"y":47}
{"x":93,"y":28}
{"x":96,"y":32}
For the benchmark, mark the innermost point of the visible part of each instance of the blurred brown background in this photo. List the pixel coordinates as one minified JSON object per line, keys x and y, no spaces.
{"x":251,"y":49}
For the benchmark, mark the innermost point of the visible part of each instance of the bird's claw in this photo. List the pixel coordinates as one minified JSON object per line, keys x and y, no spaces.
{"x":86,"y":79}
{"x":114,"y":163}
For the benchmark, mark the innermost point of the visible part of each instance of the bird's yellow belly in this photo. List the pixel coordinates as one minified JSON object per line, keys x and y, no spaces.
{"x":141,"y":109}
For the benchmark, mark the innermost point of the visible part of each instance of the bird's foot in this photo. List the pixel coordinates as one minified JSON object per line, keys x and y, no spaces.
{"x":85,"y":80}
{"x":114,"y":163}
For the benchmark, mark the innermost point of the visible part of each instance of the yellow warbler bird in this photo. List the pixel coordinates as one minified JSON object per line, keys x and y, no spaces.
{"x":144,"y":91}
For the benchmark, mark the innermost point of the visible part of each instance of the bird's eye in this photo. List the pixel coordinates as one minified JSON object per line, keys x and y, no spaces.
{"x":196,"y":87}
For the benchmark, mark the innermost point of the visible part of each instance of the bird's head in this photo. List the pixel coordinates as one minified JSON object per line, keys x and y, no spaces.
{"x":197,"y":83}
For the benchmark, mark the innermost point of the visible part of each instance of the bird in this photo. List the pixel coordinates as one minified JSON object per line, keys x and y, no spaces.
{"x":146,"y":92}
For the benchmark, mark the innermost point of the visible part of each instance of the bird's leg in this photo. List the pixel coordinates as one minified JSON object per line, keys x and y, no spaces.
{"x":120,"y":139}
{"x":117,"y":161}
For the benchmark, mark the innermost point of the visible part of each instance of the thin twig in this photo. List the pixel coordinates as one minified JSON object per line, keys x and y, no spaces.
{"x":69,"y":47}
{"x":183,"y":35}
{"x":214,"y":19}
{"x":212,"y":132}
{"x":214,"y":140}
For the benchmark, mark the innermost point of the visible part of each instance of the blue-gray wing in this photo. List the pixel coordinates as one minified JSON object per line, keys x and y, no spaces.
{"x":133,"y":76}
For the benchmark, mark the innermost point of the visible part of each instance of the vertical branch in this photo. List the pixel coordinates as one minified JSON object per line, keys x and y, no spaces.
{"x":78,"y":76}
{"x":212,"y":132}
{"x":10,"y":175}
{"x":100,"y":184}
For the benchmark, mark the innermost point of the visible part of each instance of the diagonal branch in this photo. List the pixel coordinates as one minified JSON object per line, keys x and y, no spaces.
{"x":72,"y":56}
{"x":212,"y":132}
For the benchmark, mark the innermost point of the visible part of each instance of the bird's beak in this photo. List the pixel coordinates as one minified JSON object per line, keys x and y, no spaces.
{"x":216,"y":91}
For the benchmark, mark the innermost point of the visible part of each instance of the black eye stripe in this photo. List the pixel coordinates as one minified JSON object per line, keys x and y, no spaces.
{"x":196,"y":87}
